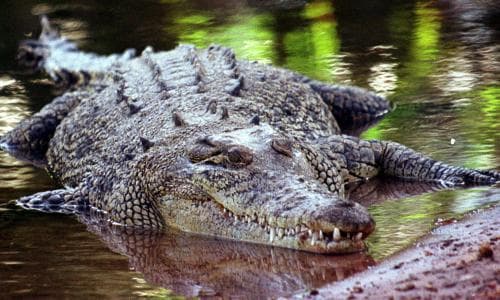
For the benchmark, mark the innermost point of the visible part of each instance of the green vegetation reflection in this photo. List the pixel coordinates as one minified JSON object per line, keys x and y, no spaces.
{"x":402,"y":222}
{"x":248,"y":34}
{"x":311,"y":50}
{"x":309,"y":47}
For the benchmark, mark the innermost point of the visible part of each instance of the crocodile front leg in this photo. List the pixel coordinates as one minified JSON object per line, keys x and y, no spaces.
{"x":68,"y":200}
{"x":397,"y":160}
{"x":360,"y":159}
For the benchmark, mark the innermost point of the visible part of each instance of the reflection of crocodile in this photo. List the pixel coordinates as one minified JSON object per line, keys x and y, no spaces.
{"x":203,"y":142}
{"x":200,"y":266}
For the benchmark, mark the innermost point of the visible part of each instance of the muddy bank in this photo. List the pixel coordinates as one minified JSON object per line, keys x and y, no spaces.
{"x":457,"y":260}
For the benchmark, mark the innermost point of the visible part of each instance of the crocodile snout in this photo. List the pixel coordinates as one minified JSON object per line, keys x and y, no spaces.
{"x":347,"y":216}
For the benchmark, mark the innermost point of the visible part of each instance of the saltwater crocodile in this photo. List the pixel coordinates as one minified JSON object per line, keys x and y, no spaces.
{"x":200,"y":141}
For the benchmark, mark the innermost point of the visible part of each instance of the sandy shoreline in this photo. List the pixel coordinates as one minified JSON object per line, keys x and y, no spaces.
{"x":457,"y":260}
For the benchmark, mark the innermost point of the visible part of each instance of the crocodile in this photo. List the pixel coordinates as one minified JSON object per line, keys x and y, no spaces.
{"x":198,"y":140}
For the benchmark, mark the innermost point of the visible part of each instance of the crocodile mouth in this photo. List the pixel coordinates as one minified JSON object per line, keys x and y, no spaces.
{"x":212,"y":218}
{"x":316,"y":240}
{"x":305,"y":237}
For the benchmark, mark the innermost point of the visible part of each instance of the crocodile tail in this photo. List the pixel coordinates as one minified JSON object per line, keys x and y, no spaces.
{"x":61,"y":59}
{"x":49,"y":32}
{"x":34,"y":53}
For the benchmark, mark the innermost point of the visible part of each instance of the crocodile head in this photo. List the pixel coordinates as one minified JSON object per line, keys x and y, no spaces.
{"x":255,"y":185}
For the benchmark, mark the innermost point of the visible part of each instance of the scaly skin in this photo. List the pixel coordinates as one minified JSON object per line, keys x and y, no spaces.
{"x":201,"y":141}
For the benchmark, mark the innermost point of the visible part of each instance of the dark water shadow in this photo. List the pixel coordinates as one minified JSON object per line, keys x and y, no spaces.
{"x":380,"y":189}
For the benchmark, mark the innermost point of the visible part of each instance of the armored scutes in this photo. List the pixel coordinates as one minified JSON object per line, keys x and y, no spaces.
{"x":200,"y":141}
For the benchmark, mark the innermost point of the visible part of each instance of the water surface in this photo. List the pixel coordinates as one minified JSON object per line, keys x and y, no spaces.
{"x":439,"y":63}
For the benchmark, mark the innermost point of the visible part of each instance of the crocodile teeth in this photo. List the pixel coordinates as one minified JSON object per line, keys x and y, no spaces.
{"x":314,"y":238}
{"x":336,"y":234}
{"x":298,"y":231}
{"x":281,"y":232}
{"x":331,"y":245}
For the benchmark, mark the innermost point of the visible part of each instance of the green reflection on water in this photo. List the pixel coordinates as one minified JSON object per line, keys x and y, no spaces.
{"x":401,"y":222}
{"x":490,"y":107}
{"x":479,"y":140}
{"x":318,"y":9}
{"x":249,"y":34}
{"x":426,"y":38}
{"x":423,"y":53}
{"x":155,"y":293}
{"x":310,"y":49}
{"x":194,"y":20}
{"x":413,"y":75}
{"x":253,"y":35}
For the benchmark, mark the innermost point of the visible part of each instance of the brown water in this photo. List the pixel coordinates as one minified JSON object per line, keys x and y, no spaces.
{"x":440,"y":65}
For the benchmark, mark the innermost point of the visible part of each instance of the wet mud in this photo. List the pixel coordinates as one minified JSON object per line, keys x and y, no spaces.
{"x":457,"y":260}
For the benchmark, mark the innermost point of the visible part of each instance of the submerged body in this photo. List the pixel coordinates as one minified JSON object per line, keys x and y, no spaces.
{"x":198,"y":140}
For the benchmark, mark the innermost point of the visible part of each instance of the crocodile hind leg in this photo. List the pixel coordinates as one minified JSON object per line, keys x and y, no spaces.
{"x":29,"y":140}
{"x":360,"y":159}
{"x":62,"y":201}
{"x":354,"y":108}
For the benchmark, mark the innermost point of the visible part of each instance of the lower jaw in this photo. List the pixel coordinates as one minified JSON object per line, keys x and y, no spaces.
{"x":209,"y":221}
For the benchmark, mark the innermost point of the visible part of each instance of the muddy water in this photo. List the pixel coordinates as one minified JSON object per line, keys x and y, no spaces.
{"x":439,"y":63}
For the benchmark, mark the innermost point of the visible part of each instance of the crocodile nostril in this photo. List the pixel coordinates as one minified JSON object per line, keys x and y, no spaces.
{"x":345,"y":204}
{"x":239,"y":155}
{"x":282,"y":146}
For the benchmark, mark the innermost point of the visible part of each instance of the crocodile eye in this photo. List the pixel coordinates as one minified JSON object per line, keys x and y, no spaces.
{"x":203,"y":150}
{"x":239,"y":155}
{"x":282,"y":146}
